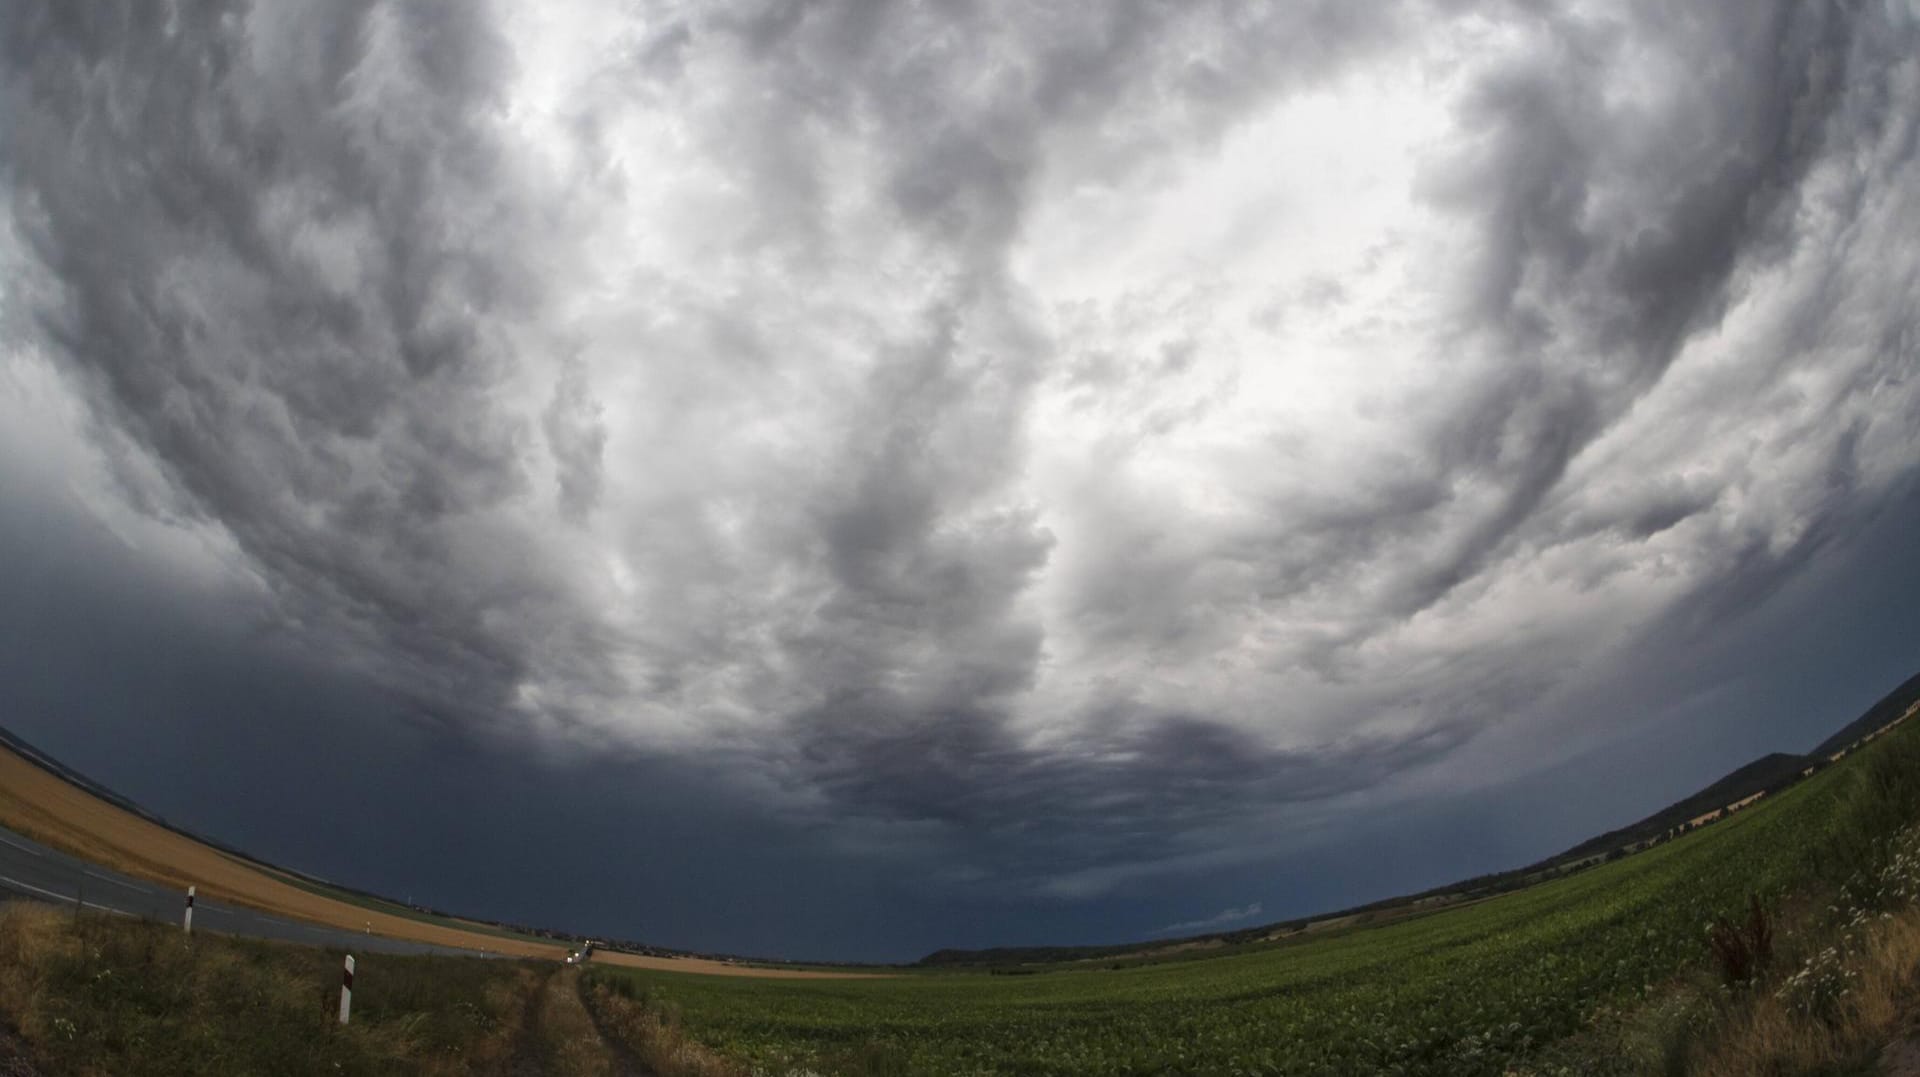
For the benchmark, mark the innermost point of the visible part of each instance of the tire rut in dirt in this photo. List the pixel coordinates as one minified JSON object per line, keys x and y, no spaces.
{"x":529,"y":1053}
{"x":625,"y":1062}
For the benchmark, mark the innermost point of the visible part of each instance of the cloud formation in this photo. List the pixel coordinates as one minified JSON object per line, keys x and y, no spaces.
{"x":1219,"y":919}
{"x":1073,"y":437}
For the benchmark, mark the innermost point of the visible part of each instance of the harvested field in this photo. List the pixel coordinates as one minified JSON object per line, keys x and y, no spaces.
{"x":41,"y":805}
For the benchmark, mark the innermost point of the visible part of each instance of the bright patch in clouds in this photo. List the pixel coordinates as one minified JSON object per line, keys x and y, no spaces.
{"x":1223,"y":918}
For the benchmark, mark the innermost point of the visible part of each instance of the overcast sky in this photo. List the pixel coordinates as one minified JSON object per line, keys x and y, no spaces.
{"x":846,"y":479}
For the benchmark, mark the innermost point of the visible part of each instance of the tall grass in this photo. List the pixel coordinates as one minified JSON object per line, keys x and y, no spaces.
{"x":1859,"y":977}
{"x":1846,"y":942}
{"x":648,"y":1028}
{"x":98,"y":995}
{"x":1881,"y":799}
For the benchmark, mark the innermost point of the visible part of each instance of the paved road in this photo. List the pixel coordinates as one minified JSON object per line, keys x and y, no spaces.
{"x":29,"y":869}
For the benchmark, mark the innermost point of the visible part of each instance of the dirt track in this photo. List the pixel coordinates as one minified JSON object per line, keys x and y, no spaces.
{"x":42,"y":806}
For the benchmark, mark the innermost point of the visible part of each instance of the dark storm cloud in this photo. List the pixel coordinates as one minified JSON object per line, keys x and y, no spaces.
{"x":698,"y":395}
{"x":1587,"y":306}
{"x":578,"y":435}
{"x":1123,"y":799}
{"x":284,"y":253}
{"x":1619,"y":291}
{"x":970,"y":99}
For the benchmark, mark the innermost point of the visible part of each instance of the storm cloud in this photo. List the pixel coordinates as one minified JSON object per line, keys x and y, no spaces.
{"x":1079,"y":439}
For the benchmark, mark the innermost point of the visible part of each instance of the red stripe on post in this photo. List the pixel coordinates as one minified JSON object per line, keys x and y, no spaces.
{"x":346,"y":989}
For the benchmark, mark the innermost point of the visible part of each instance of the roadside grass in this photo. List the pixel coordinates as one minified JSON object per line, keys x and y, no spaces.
{"x":1853,"y":981}
{"x":1777,"y":1032}
{"x":1843,"y":983}
{"x":114,"y":997}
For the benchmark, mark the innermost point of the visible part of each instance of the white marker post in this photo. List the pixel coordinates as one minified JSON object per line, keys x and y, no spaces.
{"x":346,"y":990}
{"x":186,"y":923}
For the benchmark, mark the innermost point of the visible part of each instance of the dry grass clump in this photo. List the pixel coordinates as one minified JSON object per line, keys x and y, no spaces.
{"x":1845,"y":982}
{"x":29,"y":935}
{"x":1743,"y":950}
{"x":651,"y":1032}
{"x":568,"y":1040}
{"x":1780,"y":1034}
{"x":1846,"y":1000}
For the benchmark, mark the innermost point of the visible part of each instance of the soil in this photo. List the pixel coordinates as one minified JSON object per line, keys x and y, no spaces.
{"x":1901,"y":1059}
{"x":625,"y":1062}
{"x":528,"y":1056}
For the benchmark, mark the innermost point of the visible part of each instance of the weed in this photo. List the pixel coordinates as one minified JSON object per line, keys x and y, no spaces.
{"x":1744,"y":950}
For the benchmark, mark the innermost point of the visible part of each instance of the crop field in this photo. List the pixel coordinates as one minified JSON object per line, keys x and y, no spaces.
{"x":44,"y":806}
{"x":1470,"y":990}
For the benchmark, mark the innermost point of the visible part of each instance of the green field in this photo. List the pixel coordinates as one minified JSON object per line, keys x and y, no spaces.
{"x":1465,"y":991}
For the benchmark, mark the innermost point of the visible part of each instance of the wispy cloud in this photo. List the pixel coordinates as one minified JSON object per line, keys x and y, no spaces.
{"x":1220,"y":919}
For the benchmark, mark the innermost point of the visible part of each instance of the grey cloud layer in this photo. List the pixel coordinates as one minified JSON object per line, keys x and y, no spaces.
{"x":705,"y":407}
{"x":282,"y":250}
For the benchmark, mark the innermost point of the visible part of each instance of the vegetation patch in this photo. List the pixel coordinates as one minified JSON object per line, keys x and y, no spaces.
{"x":115,"y":997}
{"x":1611,"y":970}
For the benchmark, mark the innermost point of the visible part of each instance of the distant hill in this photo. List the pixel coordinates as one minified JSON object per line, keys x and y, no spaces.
{"x":1892,"y":706}
{"x":1768,"y":774}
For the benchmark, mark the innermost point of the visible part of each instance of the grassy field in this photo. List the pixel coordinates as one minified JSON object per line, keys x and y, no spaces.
{"x":1473,"y":990}
{"x":1610,"y":971}
{"x":106,"y":995}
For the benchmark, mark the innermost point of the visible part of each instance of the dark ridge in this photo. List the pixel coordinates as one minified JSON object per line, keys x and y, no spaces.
{"x":1890,"y":707}
{"x":1767,"y":774}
